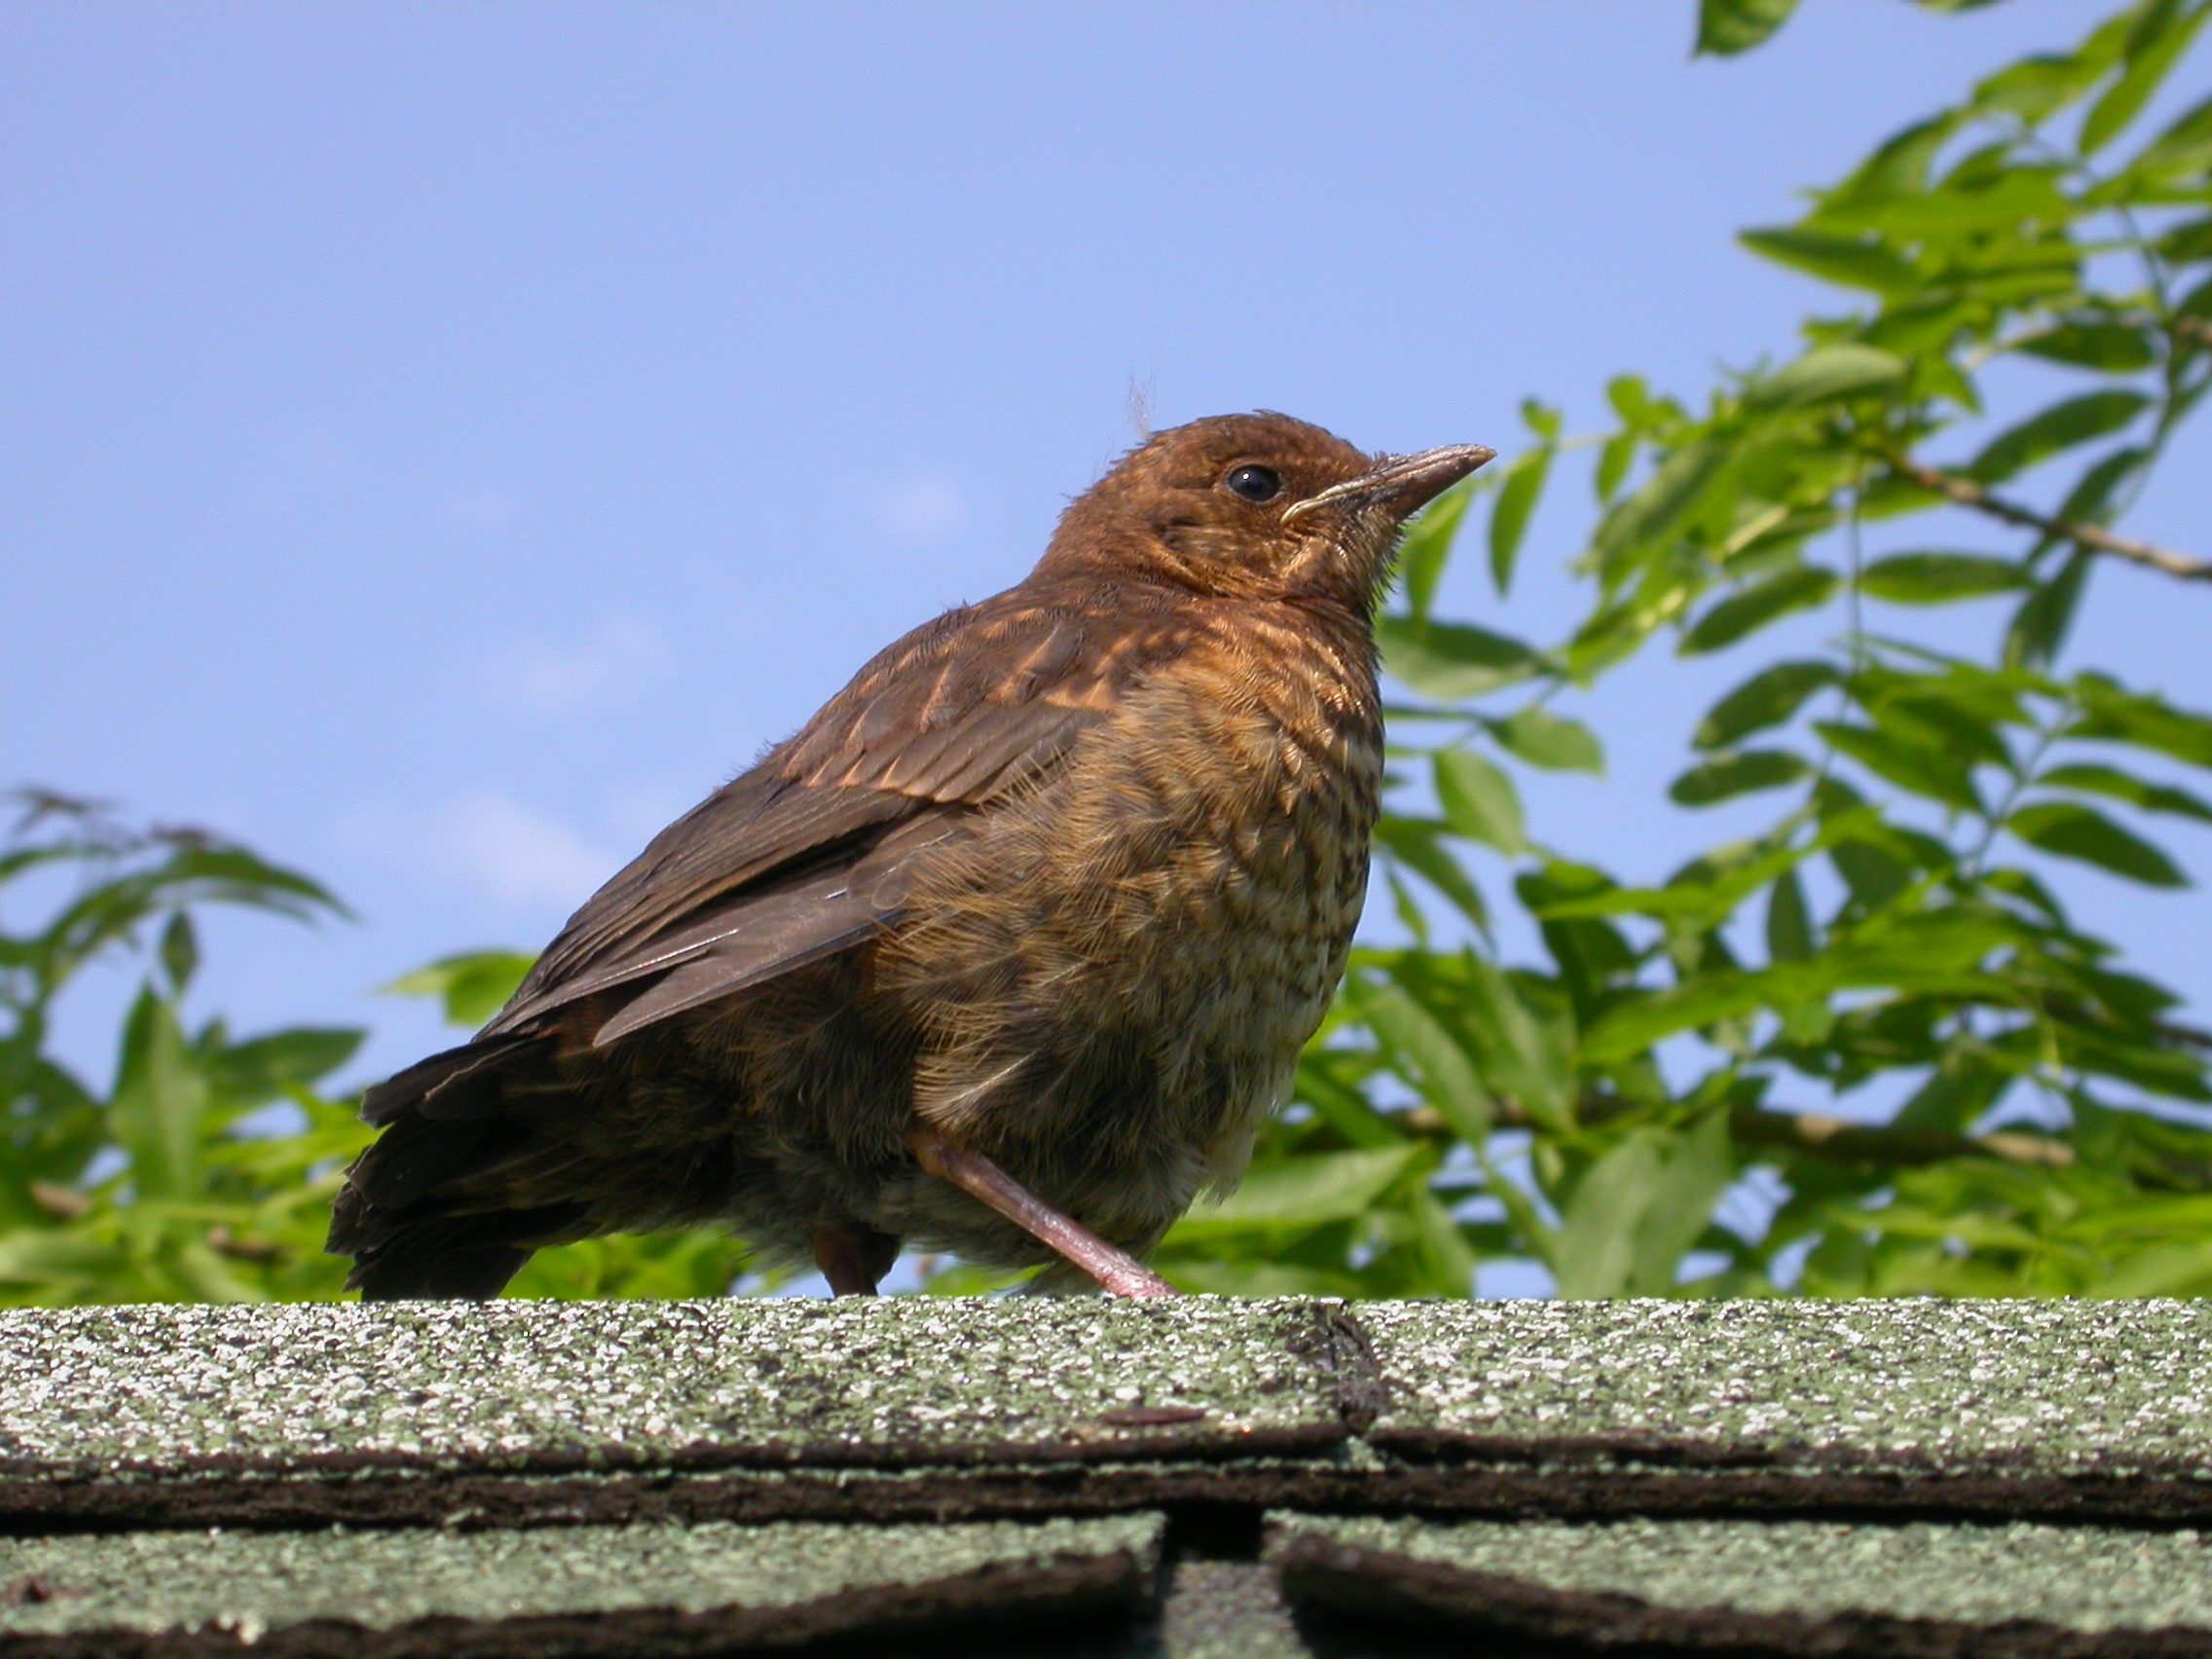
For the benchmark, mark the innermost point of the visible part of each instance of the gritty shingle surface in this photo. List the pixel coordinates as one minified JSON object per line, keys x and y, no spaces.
{"x":2086,"y":1578}
{"x":583,"y":1385}
{"x":1227,"y":1609}
{"x":2056,"y":1385}
{"x":250,"y":1583}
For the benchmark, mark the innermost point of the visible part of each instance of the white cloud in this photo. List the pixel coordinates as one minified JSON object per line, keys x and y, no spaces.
{"x":925,"y":508}
{"x":518,"y":853}
{"x":601,"y":670}
{"x":506,"y":851}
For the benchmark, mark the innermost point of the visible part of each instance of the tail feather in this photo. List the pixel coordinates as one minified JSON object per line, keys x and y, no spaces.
{"x":418,"y":1154}
{"x":453,"y":1257}
{"x":454,"y":1073}
{"x":407,"y":1215}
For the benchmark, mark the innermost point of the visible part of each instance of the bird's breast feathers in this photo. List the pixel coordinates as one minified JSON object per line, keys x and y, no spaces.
{"x":1196,"y":865}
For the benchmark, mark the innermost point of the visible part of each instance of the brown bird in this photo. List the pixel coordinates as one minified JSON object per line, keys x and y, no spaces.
{"x":1006,"y":952}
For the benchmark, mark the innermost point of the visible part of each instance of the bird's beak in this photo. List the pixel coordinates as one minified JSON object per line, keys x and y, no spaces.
{"x":1406,"y":483}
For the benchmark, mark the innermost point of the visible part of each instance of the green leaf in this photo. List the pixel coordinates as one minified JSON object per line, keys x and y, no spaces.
{"x":2090,"y":500}
{"x":257,"y":1071}
{"x":181,"y":950}
{"x":64,"y":1261}
{"x":2039,"y":628}
{"x":2122,"y":786}
{"x":1425,"y":1054}
{"x":2156,"y":43}
{"x":1516,"y":502}
{"x":473,"y":985}
{"x":1697,"y":1174}
{"x":1901,"y":757}
{"x":2150,"y":722}
{"x":1523,"y":1057}
{"x":2187,"y":243}
{"x":2039,"y":86}
{"x":1413,"y":843}
{"x":1799,"y":588}
{"x":1443,"y":1248}
{"x":232,"y":875}
{"x":1450,"y":661}
{"x":1872,"y":874}
{"x":2166,"y":1269}
{"x":1825,"y":375}
{"x":1613,"y":462}
{"x":2075,"y":832}
{"x":1729,"y":775}
{"x":1788,"y":920}
{"x":1940,"y":578}
{"x":2180,"y":155}
{"x":1479,"y":801}
{"x":1933,"y":952}
{"x":160,"y":1100}
{"x":1900,"y":165}
{"x":1299,"y":1194}
{"x":1427,"y":547}
{"x":1657,"y":511}
{"x":1849,"y":261}
{"x":1552,"y":740}
{"x":1726,"y":27}
{"x":2049,"y":431}
{"x":2116,"y":347}
{"x":1596,"y":1253}
{"x":1767,"y":699}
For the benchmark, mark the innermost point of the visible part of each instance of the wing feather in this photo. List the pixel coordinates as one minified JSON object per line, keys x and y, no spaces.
{"x":803,"y":855}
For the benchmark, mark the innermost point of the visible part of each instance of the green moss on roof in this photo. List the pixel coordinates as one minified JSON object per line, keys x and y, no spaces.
{"x":2085,"y":1578}
{"x":2061,"y":1385}
{"x":1227,"y":1609}
{"x":759,"y":1410}
{"x":507,"y":1385}
{"x":253,"y":1583}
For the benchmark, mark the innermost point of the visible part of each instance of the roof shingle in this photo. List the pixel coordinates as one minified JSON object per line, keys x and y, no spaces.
{"x":1595,"y":1473}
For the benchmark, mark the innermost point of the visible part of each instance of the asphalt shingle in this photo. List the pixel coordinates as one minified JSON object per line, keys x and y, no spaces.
{"x":1787,"y":1476}
{"x":2055,"y":1408}
{"x":645,"y":1588}
{"x":1921,"y":1589}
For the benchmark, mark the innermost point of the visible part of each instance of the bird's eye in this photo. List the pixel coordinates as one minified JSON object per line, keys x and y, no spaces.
{"x":1253,"y":483}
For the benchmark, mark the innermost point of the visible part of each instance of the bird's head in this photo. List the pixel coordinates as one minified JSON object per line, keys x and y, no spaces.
{"x":1254,"y":504}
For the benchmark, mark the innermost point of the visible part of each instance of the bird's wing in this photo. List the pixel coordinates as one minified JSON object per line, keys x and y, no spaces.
{"x":808,"y":853}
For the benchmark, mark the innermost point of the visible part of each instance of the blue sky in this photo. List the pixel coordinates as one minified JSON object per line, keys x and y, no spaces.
{"x":441,"y":442}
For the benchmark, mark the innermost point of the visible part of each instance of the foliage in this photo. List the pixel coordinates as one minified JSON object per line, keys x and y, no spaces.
{"x":163,"y":1191}
{"x":205,"y":1173}
{"x":1635,"y":1111}
{"x":1888,"y":935}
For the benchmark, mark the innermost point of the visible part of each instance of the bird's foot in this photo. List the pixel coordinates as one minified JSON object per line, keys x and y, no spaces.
{"x":854,"y":1259}
{"x":1118,"y":1272}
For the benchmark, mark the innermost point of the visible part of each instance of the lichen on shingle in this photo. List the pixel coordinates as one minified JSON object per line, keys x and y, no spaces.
{"x":2078,"y":1577}
{"x":513,"y":1384}
{"x":250,"y":1583}
{"x":2061,"y":1386}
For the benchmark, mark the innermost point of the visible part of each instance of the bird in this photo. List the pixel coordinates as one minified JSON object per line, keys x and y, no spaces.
{"x":1006,"y":954}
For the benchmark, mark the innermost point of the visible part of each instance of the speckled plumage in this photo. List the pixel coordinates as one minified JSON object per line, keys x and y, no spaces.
{"x":1068,"y":875}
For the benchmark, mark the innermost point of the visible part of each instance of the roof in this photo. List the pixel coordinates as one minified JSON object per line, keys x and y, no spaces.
{"x":1198,"y":1474}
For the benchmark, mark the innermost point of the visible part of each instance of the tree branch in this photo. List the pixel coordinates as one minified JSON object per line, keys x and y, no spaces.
{"x":1847,"y":1142}
{"x":1837,"y":1139}
{"x":1968,"y":494}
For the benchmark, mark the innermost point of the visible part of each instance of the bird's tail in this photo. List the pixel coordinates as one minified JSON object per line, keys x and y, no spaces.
{"x":416,"y":1214}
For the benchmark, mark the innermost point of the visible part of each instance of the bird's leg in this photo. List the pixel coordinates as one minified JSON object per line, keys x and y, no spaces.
{"x":1118,"y":1272}
{"x":852,"y":1259}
